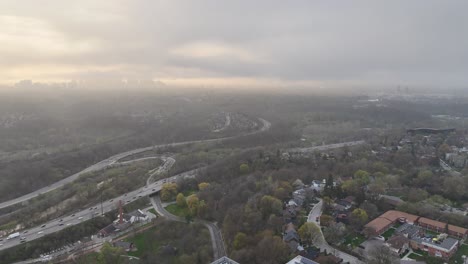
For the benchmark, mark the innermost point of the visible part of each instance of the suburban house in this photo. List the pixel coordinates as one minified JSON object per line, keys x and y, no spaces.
{"x":398,"y":244}
{"x":301,"y":260}
{"x":291,"y":238}
{"x":224,"y":260}
{"x":432,"y":224}
{"x":443,"y":249}
{"x":127,"y":246}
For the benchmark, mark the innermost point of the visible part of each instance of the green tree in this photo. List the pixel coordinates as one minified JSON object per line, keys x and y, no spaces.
{"x":326,"y":220}
{"x":168,"y":191}
{"x":362,"y":176}
{"x":203,"y":185}
{"x":180,"y":200}
{"x":240,"y":241}
{"x":244,"y":168}
{"x":192,"y":203}
{"x":270,"y":205}
{"x":110,"y":254}
{"x":358,"y":218}
{"x":310,"y":233}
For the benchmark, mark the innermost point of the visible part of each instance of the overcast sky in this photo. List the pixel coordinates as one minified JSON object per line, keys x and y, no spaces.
{"x":323,"y":43}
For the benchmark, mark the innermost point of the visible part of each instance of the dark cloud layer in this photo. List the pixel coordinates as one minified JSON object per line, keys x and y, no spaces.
{"x":378,"y":42}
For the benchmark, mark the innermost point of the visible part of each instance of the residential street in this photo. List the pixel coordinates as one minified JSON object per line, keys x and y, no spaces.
{"x":323,"y":245}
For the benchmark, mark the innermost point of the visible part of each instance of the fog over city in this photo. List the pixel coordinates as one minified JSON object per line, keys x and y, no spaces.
{"x":233,"y":132}
{"x":267,"y":43}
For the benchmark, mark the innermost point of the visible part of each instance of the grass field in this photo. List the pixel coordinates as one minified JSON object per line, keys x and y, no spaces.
{"x":462,"y":250}
{"x":177,"y":210}
{"x":389,"y":233}
{"x":139,"y":241}
{"x":354,"y":240}
{"x":416,"y":256}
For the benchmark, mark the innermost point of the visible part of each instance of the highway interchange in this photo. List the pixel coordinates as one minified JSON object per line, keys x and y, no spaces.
{"x":108,"y":205}
{"x":149,"y":189}
{"x":91,"y":212}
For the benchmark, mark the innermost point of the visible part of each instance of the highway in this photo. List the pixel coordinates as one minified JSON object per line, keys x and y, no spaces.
{"x":326,"y":147}
{"x":93,"y":211}
{"x":113,"y":159}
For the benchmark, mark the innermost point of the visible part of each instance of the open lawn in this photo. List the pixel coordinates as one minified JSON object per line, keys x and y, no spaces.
{"x":415,"y":256}
{"x":462,"y":250}
{"x":177,"y":210}
{"x":354,"y":240}
{"x":153,"y":211}
{"x":139,"y":241}
{"x":154,"y":243}
{"x":389,"y":233}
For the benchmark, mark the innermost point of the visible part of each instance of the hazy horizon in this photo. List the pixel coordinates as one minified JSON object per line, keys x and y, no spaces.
{"x":307,"y":45}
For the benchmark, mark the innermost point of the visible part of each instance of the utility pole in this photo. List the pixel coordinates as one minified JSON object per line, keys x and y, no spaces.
{"x":102,"y":210}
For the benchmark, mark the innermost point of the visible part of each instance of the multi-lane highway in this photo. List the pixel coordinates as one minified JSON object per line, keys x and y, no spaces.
{"x":112,"y":160}
{"x":326,"y":147}
{"x":93,"y":211}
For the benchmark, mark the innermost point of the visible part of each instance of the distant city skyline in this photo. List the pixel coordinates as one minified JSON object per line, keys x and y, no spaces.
{"x":316,"y":44}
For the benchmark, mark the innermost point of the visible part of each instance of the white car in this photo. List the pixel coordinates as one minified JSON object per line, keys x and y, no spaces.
{"x":79,"y":218}
{"x":40,"y":232}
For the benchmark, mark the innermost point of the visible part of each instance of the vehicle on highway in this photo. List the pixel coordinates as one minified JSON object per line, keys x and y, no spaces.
{"x":40,"y":232}
{"x":111,"y":200}
{"x":43,"y":226}
{"x":73,"y":215}
{"x":22,"y":241}
{"x":61,"y":220}
{"x":14,"y":235}
{"x":79,"y":218}
{"x":22,"y":238}
{"x":61,"y":224}
{"x":68,"y":224}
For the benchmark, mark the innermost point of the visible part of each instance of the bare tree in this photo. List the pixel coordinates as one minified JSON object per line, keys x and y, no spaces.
{"x":381,"y":255}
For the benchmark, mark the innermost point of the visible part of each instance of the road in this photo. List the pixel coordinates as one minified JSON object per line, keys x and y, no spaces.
{"x":326,"y":147}
{"x":217,"y":241}
{"x":322,"y":243}
{"x":113,"y":159}
{"x":93,"y":211}
{"x":227,"y":123}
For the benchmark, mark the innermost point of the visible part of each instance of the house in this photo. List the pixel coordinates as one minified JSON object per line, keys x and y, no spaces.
{"x":291,"y":237}
{"x":432,"y":224}
{"x":391,"y":200}
{"x":107,"y":230}
{"x":328,"y":259}
{"x":127,"y":246}
{"x":457,"y":231}
{"x":134,"y":217}
{"x":310,"y":253}
{"x":443,"y":249}
{"x":300,"y":260}
{"x":317,"y":185}
{"x":298,"y":184}
{"x":408,"y":230}
{"x":224,"y":260}
{"x":388,"y":219}
{"x":398,"y":244}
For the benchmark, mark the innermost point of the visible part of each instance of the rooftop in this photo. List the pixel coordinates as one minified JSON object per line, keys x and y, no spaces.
{"x":431,"y":222}
{"x":446,"y":245}
{"x":224,"y":260}
{"x":301,"y":260}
